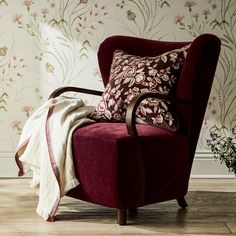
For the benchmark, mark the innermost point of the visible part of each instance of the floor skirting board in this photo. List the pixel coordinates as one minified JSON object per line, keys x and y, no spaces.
{"x":8,"y":167}
{"x":204,"y":166}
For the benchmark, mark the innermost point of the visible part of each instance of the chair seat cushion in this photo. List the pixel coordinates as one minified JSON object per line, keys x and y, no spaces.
{"x":107,"y":164}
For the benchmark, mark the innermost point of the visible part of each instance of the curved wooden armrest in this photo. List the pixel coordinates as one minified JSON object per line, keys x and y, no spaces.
{"x":61,"y":90}
{"x":135,"y":102}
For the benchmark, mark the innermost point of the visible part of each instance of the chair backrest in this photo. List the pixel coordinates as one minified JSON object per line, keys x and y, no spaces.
{"x":195,"y":80}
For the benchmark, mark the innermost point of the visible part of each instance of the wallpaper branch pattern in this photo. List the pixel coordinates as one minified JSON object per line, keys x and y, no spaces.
{"x":218,"y":17}
{"x":143,"y":17}
{"x":51,"y":43}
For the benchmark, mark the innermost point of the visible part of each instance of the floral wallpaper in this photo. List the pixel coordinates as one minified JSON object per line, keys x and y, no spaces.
{"x":45,"y":44}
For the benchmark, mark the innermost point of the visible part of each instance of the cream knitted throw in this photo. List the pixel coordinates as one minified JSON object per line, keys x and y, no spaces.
{"x":45,"y":149}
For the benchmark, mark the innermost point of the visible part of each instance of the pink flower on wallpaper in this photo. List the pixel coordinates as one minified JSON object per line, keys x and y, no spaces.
{"x":206,"y":12}
{"x":44,"y":11}
{"x":27,"y":110}
{"x":34,"y":15}
{"x":28,"y":3}
{"x":189,"y":4}
{"x":16,"y":124}
{"x":17,"y":18}
{"x":179,"y":20}
{"x":196,"y":16}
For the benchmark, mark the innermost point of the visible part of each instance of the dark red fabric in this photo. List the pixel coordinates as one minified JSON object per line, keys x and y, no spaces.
{"x":106,"y":158}
{"x":107,"y":166}
{"x":195,"y":84}
{"x":195,"y":80}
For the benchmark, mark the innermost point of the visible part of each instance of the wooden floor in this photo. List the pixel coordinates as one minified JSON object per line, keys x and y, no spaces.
{"x":212,"y":211}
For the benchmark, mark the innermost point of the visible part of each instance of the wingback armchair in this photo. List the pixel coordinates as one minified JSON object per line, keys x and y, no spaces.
{"x":125,"y":165}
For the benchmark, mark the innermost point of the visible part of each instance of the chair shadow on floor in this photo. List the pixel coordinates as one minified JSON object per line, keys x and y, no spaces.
{"x":208,"y":210}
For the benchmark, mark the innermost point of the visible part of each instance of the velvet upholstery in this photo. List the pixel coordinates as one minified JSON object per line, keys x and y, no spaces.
{"x":107,"y":161}
{"x":198,"y":70}
{"x":110,"y":175}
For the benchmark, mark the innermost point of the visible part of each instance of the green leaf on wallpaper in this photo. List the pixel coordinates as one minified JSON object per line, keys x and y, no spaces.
{"x":225,"y":43}
{"x":193,"y":34}
{"x":189,"y":26}
{"x":229,"y":39}
{"x":83,"y":55}
{"x":31,"y":32}
{"x":66,"y":45}
{"x":216,"y":23}
{"x":3,"y":1}
{"x":224,"y":40}
{"x":165,"y":3}
{"x":3,"y":108}
{"x":86,"y":43}
{"x":4,"y":95}
{"x":60,"y":22}
{"x":3,"y":101}
{"x":227,"y":46}
{"x":53,"y":22}
{"x":62,"y":39}
{"x":83,"y":49}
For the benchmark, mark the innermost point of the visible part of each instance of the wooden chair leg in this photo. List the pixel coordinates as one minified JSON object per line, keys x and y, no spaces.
{"x":121,"y":216}
{"x":182,"y":202}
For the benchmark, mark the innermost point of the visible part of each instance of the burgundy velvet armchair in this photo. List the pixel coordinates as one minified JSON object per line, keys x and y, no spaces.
{"x":125,"y":165}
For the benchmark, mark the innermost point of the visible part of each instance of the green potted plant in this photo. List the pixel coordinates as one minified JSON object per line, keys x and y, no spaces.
{"x":222,"y":143}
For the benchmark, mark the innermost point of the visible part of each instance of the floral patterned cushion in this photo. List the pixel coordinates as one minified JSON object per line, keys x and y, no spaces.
{"x":131,"y":75}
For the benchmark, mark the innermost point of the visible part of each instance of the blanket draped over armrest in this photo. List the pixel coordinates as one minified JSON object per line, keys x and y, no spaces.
{"x":45,"y":149}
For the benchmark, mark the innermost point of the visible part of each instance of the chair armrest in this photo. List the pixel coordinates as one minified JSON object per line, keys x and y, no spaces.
{"x":61,"y":90}
{"x":135,"y":102}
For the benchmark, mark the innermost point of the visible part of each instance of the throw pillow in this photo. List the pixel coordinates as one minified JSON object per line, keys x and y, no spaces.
{"x":131,"y":75}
